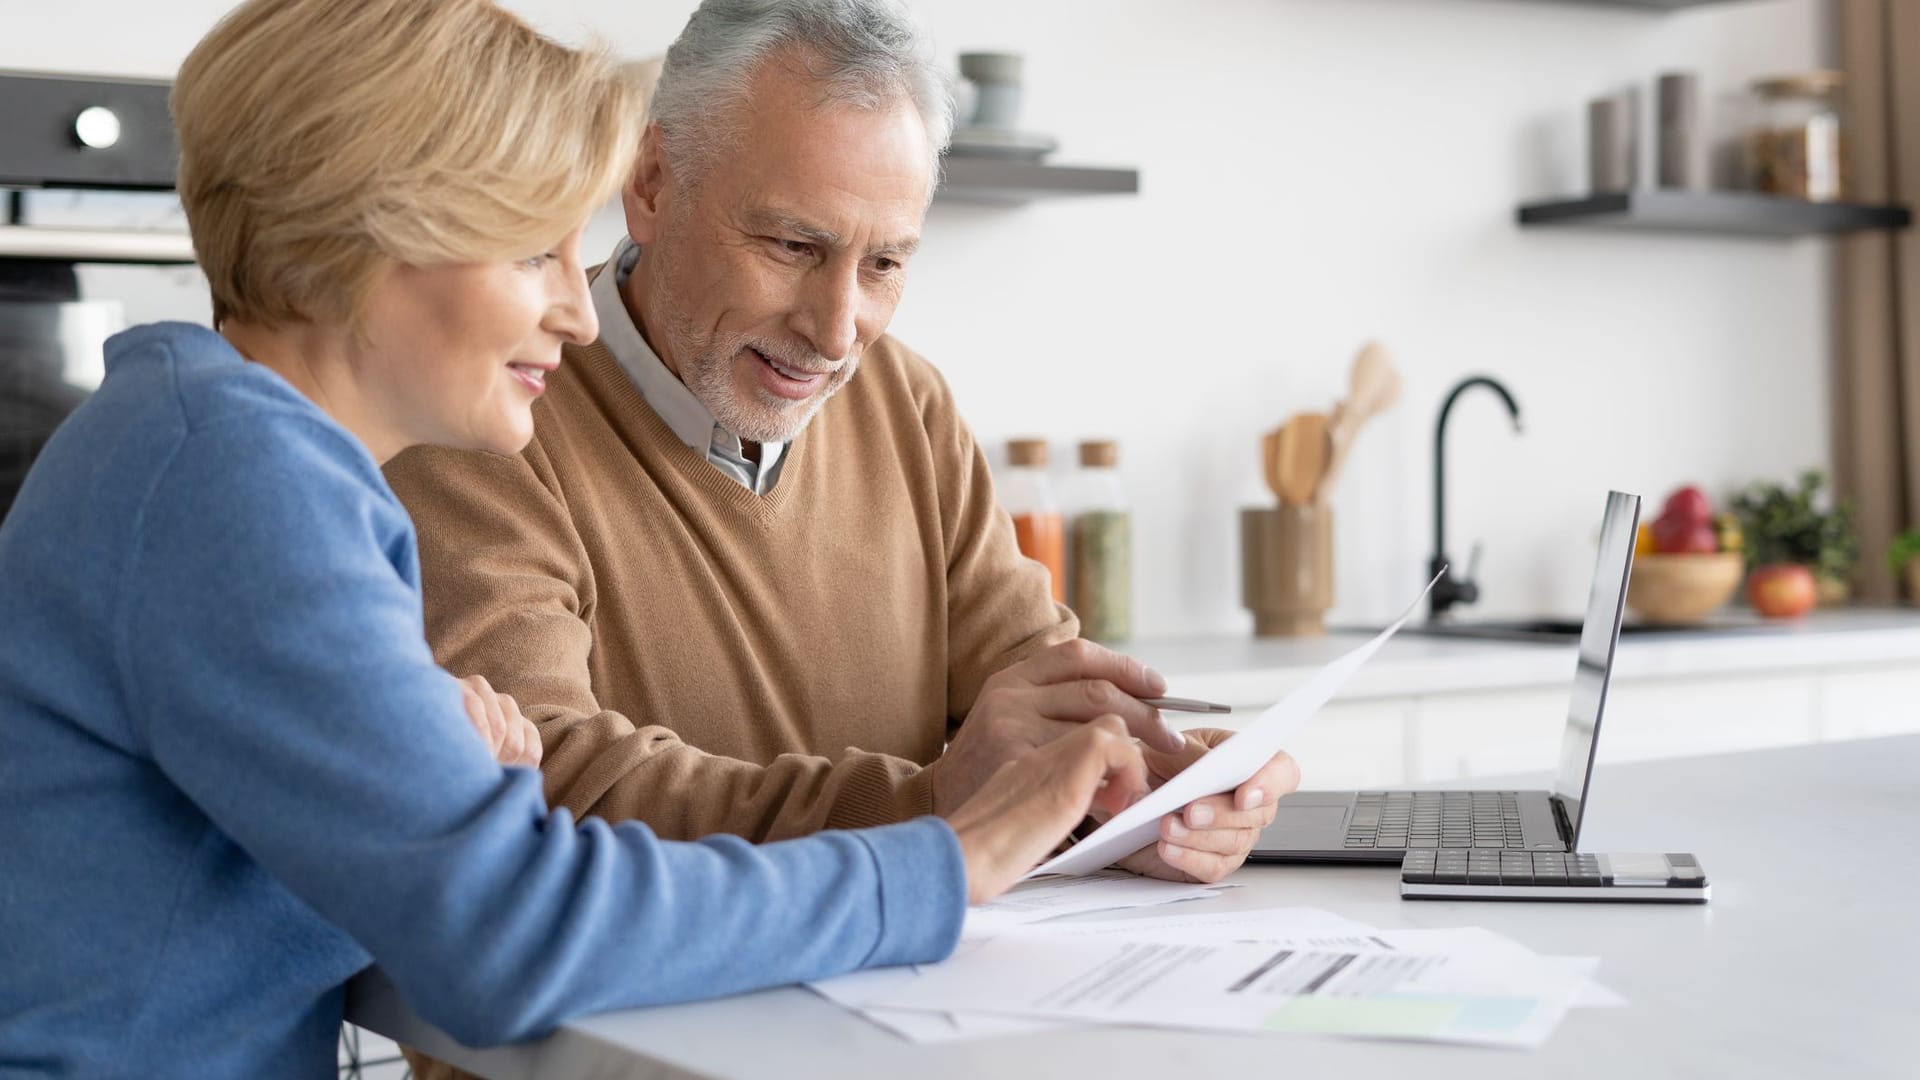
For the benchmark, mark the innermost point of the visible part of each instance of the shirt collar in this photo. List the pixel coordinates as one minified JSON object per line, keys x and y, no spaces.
{"x":691,"y":421}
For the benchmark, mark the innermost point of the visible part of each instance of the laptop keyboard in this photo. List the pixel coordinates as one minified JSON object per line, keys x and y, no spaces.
{"x":1435,"y":819}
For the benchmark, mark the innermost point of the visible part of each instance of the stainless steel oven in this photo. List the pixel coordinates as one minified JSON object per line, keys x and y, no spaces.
{"x":71,"y":146}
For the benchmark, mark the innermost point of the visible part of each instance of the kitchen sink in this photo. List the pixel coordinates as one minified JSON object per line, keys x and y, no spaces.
{"x":1563,"y":629}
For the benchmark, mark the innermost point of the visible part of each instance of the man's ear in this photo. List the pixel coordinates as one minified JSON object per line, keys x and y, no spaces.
{"x":643,"y":198}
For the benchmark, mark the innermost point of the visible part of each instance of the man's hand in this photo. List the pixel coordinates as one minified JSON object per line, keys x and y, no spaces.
{"x":1049,"y":694}
{"x":1210,"y":838}
{"x":1031,"y":803}
{"x":510,"y":738}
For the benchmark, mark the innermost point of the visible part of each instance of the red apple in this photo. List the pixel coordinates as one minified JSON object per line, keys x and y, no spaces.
{"x":1689,"y":504}
{"x":1675,"y":536}
{"x":1781,"y":590}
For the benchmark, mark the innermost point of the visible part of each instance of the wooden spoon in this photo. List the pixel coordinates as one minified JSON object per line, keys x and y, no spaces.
{"x":1303,"y":457}
{"x":1270,"y":462}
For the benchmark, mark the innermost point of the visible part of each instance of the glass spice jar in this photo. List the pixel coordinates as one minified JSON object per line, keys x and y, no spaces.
{"x":1100,"y":545}
{"x":1798,"y":147}
{"x":1038,"y":526}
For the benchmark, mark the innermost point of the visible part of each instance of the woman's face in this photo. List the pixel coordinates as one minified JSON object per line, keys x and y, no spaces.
{"x":456,"y":355}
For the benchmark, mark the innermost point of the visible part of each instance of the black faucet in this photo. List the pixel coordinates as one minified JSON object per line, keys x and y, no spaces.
{"x":1454,"y":588}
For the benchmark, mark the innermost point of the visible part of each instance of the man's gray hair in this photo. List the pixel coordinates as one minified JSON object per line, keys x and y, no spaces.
{"x":866,"y":53}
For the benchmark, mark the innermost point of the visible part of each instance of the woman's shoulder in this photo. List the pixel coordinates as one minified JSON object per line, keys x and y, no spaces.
{"x":213,"y":396}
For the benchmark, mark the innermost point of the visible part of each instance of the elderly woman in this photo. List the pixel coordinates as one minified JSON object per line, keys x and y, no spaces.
{"x":233,"y":775}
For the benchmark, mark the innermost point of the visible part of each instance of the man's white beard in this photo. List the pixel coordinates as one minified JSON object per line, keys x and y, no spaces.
{"x":770,"y":418}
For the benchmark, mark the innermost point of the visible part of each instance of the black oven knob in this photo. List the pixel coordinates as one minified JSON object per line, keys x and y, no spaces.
{"x":96,"y":128}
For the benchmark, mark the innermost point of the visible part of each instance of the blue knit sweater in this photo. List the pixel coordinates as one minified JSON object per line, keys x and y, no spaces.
{"x":231,"y":775}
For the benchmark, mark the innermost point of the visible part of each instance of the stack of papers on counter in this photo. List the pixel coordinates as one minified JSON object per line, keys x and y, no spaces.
{"x":1018,"y":968}
{"x":1296,"y":970}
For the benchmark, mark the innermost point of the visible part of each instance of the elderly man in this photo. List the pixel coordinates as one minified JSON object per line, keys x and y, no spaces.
{"x":739,"y":588}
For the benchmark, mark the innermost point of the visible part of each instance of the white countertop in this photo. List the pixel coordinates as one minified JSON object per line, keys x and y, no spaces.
{"x":1801,"y":966}
{"x":1248,"y":671}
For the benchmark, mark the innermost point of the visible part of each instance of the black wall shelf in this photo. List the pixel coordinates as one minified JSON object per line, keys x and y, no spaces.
{"x":1725,"y":213}
{"x":997,"y":180}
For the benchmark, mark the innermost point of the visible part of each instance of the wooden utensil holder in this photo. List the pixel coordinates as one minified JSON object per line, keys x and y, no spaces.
{"x":1286,"y":568}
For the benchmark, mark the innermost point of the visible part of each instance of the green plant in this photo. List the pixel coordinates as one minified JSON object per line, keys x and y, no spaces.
{"x":1795,"y":525}
{"x":1904,"y":549}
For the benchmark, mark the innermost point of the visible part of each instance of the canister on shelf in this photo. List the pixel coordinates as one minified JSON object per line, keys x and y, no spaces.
{"x":1613,"y":143}
{"x":1037,"y":522}
{"x":1100,"y":548}
{"x":1681,"y":163}
{"x":1798,"y":148}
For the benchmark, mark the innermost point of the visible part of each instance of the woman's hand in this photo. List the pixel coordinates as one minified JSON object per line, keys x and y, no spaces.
{"x":1030,"y":804}
{"x":511,"y":738}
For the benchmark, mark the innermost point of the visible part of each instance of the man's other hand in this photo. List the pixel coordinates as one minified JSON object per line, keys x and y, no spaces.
{"x":1209,"y":838}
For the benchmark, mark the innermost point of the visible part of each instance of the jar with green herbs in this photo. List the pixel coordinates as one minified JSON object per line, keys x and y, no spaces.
{"x":1100,"y":550}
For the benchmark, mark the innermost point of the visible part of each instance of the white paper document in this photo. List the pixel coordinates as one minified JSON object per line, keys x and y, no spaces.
{"x":1223,"y":768}
{"x":1051,"y":898}
{"x":937,"y":1027}
{"x":1027,"y":903}
{"x":1209,"y":925}
{"x":1400,"y":984}
{"x":1445,"y":1004}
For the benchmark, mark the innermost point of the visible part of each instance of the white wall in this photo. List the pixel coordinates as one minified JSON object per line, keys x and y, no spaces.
{"x":1315,"y":173}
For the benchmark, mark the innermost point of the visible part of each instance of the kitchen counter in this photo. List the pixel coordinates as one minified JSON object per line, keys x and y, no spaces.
{"x":1245,"y":671}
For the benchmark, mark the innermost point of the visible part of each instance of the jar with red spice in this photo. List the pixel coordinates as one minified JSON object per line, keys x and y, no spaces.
{"x":1037,"y":521}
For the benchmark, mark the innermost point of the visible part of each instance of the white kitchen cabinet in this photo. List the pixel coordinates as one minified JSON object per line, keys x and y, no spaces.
{"x":1486,"y":734}
{"x":1424,"y":710}
{"x":1358,"y":744}
{"x":1664,"y":718}
{"x":1860,"y":703}
{"x":1355,"y":745}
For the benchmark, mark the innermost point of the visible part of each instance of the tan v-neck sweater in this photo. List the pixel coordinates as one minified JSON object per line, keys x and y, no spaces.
{"x":710,"y":660}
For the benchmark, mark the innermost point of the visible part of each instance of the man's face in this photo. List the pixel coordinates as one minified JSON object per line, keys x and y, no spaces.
{"x":762,"y":284}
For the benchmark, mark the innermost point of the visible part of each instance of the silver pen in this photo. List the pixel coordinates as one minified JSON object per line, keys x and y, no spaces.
{"x":1181,"y":704}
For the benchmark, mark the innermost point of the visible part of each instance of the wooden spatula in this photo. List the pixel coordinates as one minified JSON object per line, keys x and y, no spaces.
{"x":1302,"y":457}
{"x":1373,"y":387}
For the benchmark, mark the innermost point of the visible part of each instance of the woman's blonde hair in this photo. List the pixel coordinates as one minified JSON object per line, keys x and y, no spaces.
{"x":323,"y":140}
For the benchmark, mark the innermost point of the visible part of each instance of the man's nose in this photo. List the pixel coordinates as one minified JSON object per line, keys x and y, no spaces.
{"x":830,"y":311}
{"x":572,"y":318}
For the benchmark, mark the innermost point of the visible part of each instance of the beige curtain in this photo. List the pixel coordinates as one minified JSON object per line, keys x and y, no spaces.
{"x":1877,"y":360}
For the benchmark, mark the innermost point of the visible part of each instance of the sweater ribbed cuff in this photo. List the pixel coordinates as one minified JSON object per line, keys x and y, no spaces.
{"x":923,"y":891}
{"x":872,"y":794}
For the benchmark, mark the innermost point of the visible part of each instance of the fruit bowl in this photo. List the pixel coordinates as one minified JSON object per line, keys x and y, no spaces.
{"x":1682,"y":588}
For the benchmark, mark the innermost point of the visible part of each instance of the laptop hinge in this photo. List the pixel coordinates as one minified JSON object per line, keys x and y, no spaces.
{"x":1560,"y":822}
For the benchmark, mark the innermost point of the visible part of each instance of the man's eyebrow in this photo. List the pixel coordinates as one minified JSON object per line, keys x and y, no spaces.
{"x":788,"y":225}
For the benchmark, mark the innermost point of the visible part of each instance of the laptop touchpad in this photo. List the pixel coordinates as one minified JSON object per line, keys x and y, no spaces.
{"x":1297,"y":827}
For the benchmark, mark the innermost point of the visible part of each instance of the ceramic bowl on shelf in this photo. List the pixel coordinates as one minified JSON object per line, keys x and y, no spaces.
{"x":990,"y":142}
{"x":1682,"y":588}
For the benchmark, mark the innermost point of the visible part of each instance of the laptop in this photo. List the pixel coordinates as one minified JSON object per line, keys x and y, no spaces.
{"x":1382,"y":826}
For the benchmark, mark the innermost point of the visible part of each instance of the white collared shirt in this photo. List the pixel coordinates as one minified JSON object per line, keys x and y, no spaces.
{"x":691,"y":420}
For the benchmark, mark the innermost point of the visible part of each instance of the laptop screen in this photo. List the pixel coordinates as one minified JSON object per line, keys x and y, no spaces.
{"x":1598,"y":635}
